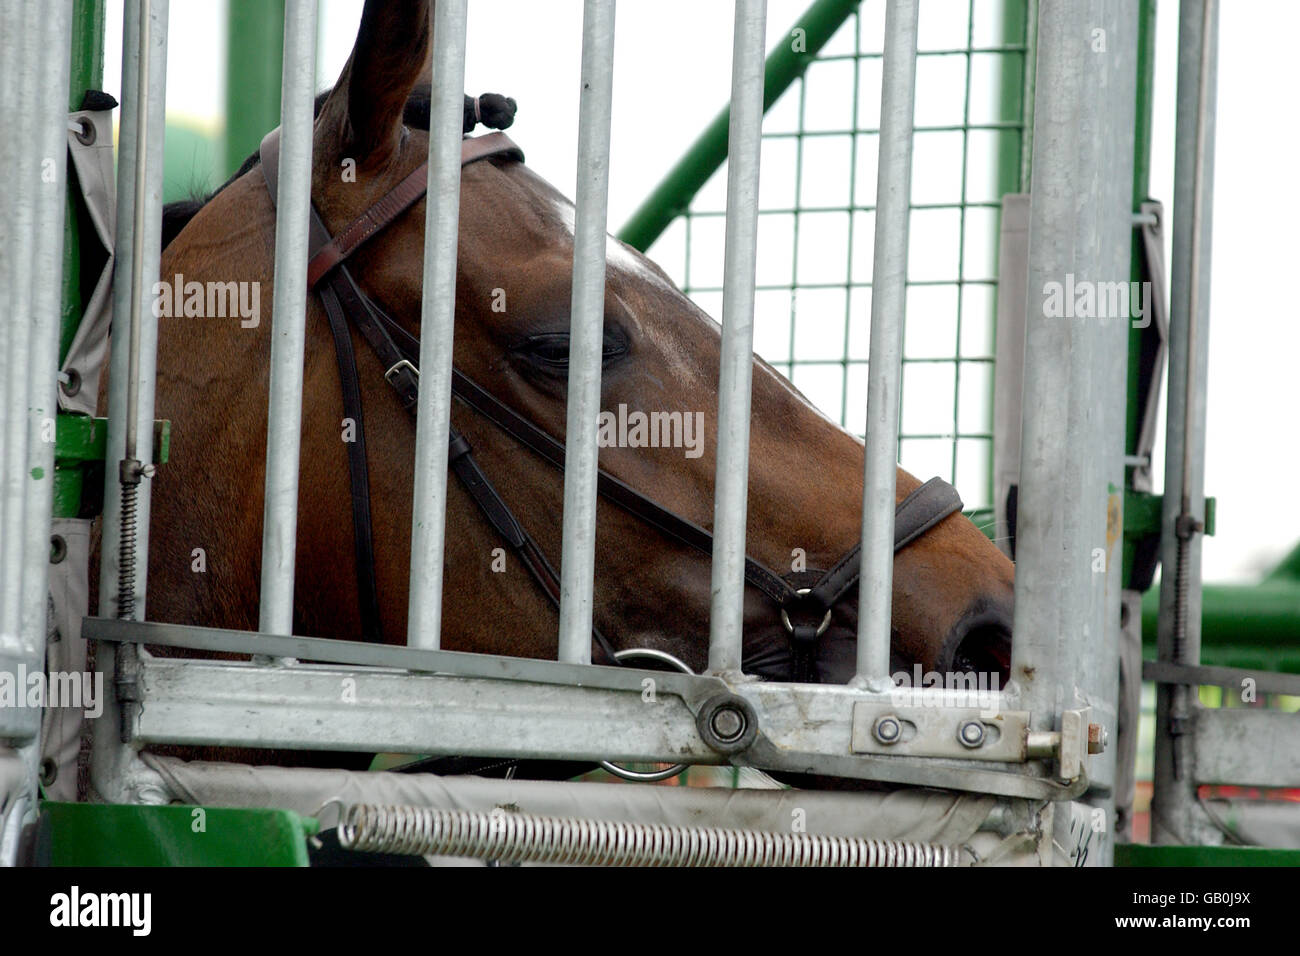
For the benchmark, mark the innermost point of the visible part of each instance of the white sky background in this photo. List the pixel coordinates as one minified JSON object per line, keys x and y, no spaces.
{"x":672,"y":74}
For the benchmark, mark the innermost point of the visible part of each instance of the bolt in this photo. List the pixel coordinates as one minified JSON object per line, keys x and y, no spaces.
{"x":1097,"y":738}
{"x":728,"y":723}
{"x":971,"y":734}
{"x":888,"y":730}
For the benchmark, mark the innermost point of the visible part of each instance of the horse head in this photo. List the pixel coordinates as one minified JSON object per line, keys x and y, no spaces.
{"x":952,"y":588}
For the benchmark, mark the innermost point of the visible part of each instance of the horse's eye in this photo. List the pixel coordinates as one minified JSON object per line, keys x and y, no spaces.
{"x":551,"y":350}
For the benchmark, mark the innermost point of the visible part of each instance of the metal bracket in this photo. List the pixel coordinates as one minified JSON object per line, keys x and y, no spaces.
{"x":971,"y":733}
{"x":967,"y":733}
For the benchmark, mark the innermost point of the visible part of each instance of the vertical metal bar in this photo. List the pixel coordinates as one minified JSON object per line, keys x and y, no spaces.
{"x":1048,"y":585}
{"x":731,"y":485}
{"x":135,"y":147}
{"x":586,"y":345}
{"x":885,"y":368}
{"x":42,"y":408}
{"x":1112,"y":92}
{"x":50,"y":144}
{"x":131,"y":471}
{"x":442,"y":219}
{"x":1175,"y":817}
{"x":288,"y":320}
{"x":140,"y":143}
{"x":22,"y":75}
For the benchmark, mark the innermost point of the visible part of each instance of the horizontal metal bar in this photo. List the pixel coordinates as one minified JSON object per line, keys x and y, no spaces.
{"x":871,"y":130}
{"x":951,"y":51}
{"x":361,"y":654}
{"x":1246,"y":747}
{"x":331,"y":708}
{"x":502,"y":706}
{"x":786,"y":287}
{"x":1262,"y":682}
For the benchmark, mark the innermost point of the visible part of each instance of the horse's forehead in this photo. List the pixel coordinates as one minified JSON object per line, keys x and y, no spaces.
{"x":556,"y":215}
{"x":617,"y":256}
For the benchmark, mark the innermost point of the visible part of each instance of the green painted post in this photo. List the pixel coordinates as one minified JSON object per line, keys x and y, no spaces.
{"x":87,"y":73}
{"x":1253,"y":626}
{"x":254,"y":61}
{"x":1141,"y":188}
{"x":784,"y":65}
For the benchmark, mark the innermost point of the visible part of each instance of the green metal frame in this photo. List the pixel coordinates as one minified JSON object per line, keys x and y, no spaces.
{"x":1140,"y":854}
{"x":253,"y":72}
{"x":79,"y":451}
{"x":88,"y":834}
{"x":87,"y":73}
{"x":1009,"y":55}
{"x":672,"y":197}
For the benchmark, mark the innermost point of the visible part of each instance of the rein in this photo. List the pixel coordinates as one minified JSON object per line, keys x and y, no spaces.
{"x":398,"y":351}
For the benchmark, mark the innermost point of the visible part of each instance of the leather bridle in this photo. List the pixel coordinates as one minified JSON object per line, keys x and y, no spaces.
{"x":805,"y":611}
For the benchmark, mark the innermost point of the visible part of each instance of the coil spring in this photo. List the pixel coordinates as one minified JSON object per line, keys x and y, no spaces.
{"x":527,"y":838}
{"x":1182,"y":571}
{"x":126,"y":554}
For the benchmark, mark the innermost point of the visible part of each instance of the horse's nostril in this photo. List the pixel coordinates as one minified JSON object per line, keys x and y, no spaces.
{"x":986,"y":650}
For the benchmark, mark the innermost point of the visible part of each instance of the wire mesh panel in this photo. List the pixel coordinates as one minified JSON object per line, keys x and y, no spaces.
{"x":817,"y":220}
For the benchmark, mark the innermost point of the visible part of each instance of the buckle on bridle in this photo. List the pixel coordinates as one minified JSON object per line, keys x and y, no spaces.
{"x":397,"y":368}
{"x":821,"y":628}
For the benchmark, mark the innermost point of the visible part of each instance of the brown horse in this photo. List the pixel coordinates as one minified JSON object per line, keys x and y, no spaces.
{"x":952,"y":587}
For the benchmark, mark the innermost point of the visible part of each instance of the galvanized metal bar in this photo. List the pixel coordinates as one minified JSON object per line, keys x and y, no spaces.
{"x":1107,"y":237}
{"x":288,"y":319}
{"x":587,"y":333}
{"x":50,"y":144}
{"x":885,"y":372}
{"x":126,"y":307}
{"x":34,"y":84}
{"x":1176,"y":817}
{"x":21,"y":76}
{"x":433,"y":425}
{"x":731,"y":485}
{"x":140,"y":142}
{"x":1052,"y":570}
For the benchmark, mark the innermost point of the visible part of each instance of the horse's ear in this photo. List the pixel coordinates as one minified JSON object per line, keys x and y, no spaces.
{"x":391,"y":53}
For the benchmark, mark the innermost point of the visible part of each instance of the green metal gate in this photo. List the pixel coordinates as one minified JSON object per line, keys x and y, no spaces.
{"x":817,"y":204}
